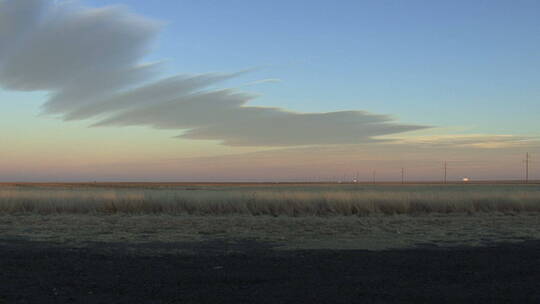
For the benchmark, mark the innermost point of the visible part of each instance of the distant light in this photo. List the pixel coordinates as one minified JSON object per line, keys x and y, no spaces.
{"x":465,"y":179}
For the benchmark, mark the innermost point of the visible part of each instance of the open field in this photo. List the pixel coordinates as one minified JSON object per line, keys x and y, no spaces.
{"x":288,"y":215}
{"x":284,"y":233}
{"x":265,"y":243}
{"x":294,"y":200}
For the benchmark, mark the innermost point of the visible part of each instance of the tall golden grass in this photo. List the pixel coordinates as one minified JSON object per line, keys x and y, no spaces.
{"x":273,"y":201}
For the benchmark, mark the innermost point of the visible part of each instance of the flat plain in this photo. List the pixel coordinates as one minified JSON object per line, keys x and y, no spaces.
{"x":333,"y":216}
{"x":241,"y":241}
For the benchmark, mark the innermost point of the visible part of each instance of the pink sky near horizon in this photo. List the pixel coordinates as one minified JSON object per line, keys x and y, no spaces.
{"x":421,"y":163}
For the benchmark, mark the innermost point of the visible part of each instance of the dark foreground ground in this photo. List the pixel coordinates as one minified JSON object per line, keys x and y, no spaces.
{"x":250,"y":272}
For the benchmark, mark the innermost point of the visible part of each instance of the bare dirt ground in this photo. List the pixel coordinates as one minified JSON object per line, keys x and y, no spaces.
{"x":251,"y":272}
{"x":244,"y":259}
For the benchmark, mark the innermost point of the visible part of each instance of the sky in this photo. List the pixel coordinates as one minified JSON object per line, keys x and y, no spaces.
{"x":268,"y":90}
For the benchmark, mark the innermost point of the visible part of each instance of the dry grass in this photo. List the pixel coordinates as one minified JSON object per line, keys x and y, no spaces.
{"x":293,"y":201}
{"x":309,"y":232}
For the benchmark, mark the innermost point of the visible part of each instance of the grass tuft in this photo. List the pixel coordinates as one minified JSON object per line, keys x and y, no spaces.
{"x":320,"y":200}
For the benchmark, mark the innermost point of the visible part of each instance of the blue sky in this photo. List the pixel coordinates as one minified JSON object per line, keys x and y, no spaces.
{"x":468,"y":64}
{"x":469,"y":70}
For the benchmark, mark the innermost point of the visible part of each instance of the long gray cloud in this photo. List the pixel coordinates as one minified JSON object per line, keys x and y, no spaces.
{"x":90,"y":60}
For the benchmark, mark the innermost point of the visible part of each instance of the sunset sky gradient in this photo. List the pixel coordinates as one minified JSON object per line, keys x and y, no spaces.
{"x":101,"y":90}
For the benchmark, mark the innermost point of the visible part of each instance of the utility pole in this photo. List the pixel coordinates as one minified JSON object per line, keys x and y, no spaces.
{"x":445,"y":169}
{"x":527,"y":168}
{"x":374,"y":175}
{"x":402,"y":176}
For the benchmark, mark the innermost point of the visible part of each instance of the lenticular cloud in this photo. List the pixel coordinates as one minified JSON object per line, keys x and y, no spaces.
{"x":90,"y":62}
